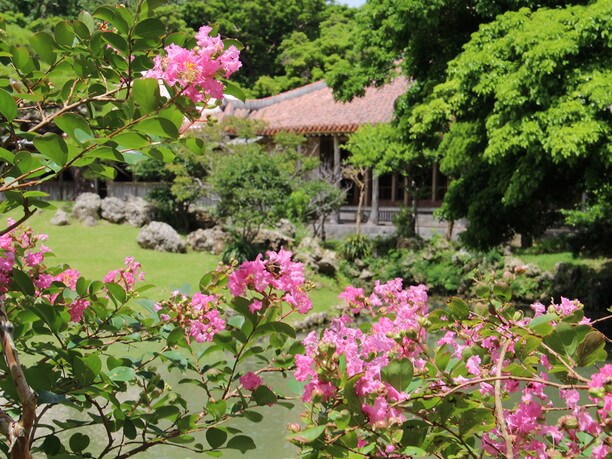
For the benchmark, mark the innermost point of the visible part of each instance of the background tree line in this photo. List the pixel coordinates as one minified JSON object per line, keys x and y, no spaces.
{"x":288,"y":43}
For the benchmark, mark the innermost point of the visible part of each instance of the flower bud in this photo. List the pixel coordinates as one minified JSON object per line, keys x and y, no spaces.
{"x":294,"y":427}
{"x":568,"y":422}
{"x":317,"y":395}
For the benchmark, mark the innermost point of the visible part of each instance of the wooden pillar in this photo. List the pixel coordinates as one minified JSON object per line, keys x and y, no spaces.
{"x":434,"y":183}
{"x":374,"y":202}
{"x":337,"y":165}
{"x":405,"y":191}
{"x":393,"y":188}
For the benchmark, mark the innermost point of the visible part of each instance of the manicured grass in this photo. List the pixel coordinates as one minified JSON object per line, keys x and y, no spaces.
{"x":96,"y":250}
{"x":548,"y":261}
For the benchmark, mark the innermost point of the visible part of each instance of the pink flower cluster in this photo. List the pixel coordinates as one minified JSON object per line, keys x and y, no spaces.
{"x":20,"y":250}
{"x":199,"y":315}
{"x":274,"y":273}
{"x":197,"y":70}
{"x":396,"y":336}
{"x":127,"y":276}
{"x":527,"y":422}
{"x":250,"y":381}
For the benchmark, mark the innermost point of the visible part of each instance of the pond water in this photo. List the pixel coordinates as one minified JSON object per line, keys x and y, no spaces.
{"x":269,"y":435}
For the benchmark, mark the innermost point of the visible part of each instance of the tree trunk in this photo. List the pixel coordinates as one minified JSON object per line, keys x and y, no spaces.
{"x":17,"y":432}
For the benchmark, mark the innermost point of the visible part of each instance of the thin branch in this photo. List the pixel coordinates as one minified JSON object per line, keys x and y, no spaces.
{"x":27,"y":213}
{"x":499,"y":407}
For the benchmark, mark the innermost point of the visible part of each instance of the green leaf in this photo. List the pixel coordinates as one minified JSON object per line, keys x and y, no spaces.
{"x":105,"y":153}
{"x":590,"y":349}
{"x":502,"y":290}
{"x":264,"y":396}
{"x":116,"y":291}
{"x":150,"y":28}
{"x":216,"y":409}
{"x":129,"y":429}
{"x":279,"y":327}
{"x":5,"y":155}
{"x":79,"y":442}
{"x":227,"y":42}
{"x":116,"y":41}
{"x":123,"y":374}
{"x":86,"y":369}
{"x":22,"y":59}
{"x":88,"y":20}
{"x":459,"y":308}
{"x":308,"y":435}
{"x":8,"y":106}
{"x":168,"y":411}
{"x":176,"y":358}
{"x":216,"y":437}
{"x":131,"y":140}
{"x":64,"y":34}
{"x":44,"y":45}
{"x":233,"y":90}
{"x":45,"y":397}
{"x":542,"y":324}
{"x":158,"y":126}
{"x":53,"y":147}
{"x":177,"y":338}
{"x":71,"y":123}
{"x":242,"y":443}
{"x":398,"y":373}
{"x":23,"y":282}
{"x":81,"y":286}
{"x":146,"y":94}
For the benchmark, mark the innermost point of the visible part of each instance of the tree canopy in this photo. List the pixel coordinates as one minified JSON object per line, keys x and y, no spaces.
{"x":518,"y":113}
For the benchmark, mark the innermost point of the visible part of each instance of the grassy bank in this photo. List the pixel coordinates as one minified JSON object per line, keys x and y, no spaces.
{"x":96,"y":250}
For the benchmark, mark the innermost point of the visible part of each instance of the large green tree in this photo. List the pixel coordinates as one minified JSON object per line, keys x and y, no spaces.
{"x":304,"y":59}
{"x":526,"y":120}
{"x":515,"y":105}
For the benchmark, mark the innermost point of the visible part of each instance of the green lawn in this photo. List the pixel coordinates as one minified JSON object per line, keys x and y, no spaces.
{"x":96,"y":250}
{"x":547,"y":261}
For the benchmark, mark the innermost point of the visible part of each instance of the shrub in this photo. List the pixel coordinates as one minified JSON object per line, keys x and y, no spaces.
{"x":356,"y":246}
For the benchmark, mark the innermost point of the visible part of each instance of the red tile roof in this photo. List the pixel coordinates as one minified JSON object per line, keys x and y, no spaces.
{"x":312,"y":109}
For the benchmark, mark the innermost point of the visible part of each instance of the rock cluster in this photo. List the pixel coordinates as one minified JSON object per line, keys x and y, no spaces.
{"x":89,"y":208}
{"x":161,"y":237}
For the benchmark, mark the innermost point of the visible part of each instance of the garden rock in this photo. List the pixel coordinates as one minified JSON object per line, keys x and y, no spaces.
{"x":316,"y":258}
{"x":204,"y":218}
{"x":161,"y":237}
{"x":272,"y":239}
{"x":211,"y":240}
{"x":286,"y":227}
{"x":138,"y":212}
{"x":113,"y":210}
{"x":87,"y":207}
{"x":60,"y":218}
{"x":366,"y":275}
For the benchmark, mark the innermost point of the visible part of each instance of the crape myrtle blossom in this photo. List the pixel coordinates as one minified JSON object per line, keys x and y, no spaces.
{"x":250,"y":381}
{"x":274,"y":278}
{"x":21,"y":249}
{"x":197,"y":71}
{"x":351,"y":365}
{"x":365,"y":355}
{"x":199,"y":315}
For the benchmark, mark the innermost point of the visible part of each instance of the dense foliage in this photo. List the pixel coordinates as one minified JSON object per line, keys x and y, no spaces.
{"x":510,"y":104}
